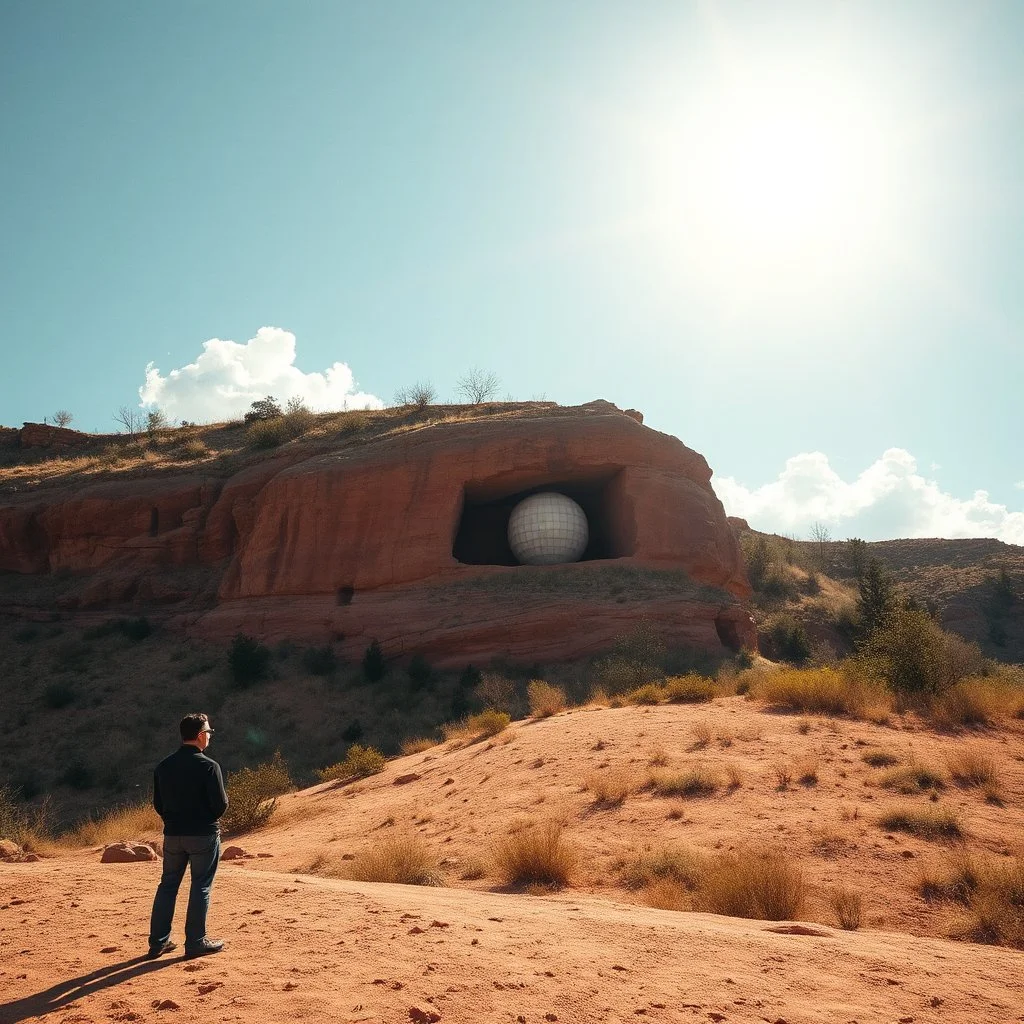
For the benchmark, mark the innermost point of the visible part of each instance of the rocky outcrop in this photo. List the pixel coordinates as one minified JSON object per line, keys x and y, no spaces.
{"x":127,"y":853}
{"x":43,"y":435}
{"x":403,"y":540}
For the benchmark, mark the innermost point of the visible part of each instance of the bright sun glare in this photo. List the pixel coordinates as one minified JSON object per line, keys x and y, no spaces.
{"x":783,"y":181}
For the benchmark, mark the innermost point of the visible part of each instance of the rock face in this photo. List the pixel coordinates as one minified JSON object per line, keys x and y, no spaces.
{"x":404,"y":539}
{"x":127,"y":853}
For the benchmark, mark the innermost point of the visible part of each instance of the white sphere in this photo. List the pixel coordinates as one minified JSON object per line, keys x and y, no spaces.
{"x":548,"y":528}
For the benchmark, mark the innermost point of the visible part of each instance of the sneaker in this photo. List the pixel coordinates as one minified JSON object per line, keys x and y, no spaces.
{"x":155,"y":951}
{"x":204,"y":948}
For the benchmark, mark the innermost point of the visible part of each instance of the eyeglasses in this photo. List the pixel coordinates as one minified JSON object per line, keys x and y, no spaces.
{"x":209,"y":732}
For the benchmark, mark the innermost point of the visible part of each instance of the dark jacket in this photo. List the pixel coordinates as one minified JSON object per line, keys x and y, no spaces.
{"x":188,"y":793}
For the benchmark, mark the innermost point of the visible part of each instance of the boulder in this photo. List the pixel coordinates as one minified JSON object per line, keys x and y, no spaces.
{"x":9,"y":850}
{"x":126,"y":853}
{"x":235,"y":853}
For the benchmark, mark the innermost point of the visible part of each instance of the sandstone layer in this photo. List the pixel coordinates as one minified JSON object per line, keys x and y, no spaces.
{"x":402,"y":538}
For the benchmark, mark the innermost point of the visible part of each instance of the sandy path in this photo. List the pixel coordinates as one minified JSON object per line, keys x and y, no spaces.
{"x":302,"y":947}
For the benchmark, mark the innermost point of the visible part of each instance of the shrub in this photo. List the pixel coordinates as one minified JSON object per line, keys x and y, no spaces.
{"x":694,"y":782}
{"x":417,"y":745}
{"x":689,"y":689}
{"x":476,"y":727}
{"x":123,"y":823}
{"x":421,"y":675}
{"x":545,"y":699}
{"x":497,"y":691}
{"x":786,"y":639}
{"x":248,"y":660}
{"x":264,"y":409}
{"x":419,"y":395}
{"x":537,"y":854}
{"x":267,"y":433}
{"x":925,"y":822}
{"x":398,"y":860}
{"x":826,"y":691}
{"x":319,"y":661}
{"x":252,"y":795}
{"x":610,"y":787}
{"x":59,"y":695}
{"x":879,"y":758}
{"x":193,"y":448}
{"x":648,"y":694}
{"x":972,"y":766}
{"x":969,"y":704}
{"x":298,"y":419}
{"x":374,"y":666}
{"x":359,"y":762}
{"x":764,"y":886}
{"x":916,"y":657}
{"x":911,"y":778}
{"x":848,"y":907}
{"x":674,"y":863}
{"x":19,"y":823}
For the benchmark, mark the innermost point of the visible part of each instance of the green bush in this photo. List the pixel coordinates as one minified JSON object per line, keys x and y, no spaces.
{"x":916,"y":657}
{"x":59,"y":695}
{"x":252,"y":795}
{"x":267,"y":433}
{"x":786,"y":639}
{"x":319,"y":661}
{"x":374,"y":666}
{"x":248,"y":660}
{"x":359,"y":762}
{"x":421,"y":675}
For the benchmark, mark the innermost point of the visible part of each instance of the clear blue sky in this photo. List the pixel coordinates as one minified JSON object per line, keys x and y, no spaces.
{"x":776,"y":228}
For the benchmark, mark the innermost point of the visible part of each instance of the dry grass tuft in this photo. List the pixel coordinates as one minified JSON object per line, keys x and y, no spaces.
{"x":848,"y":907}
{"x":359,"y":762}
{"x":417,"y":745}
{"x":689,"y":689}
{"x":783,"y":775}
{"x":658,"y":756}
{"x":477,"y":727}
{"x":611,"y":786}
{"x":932,"y":823}
{"x":911,"y":778}
{"x":121,"y":824}
{"x":702,"y":735}
{"x":879,"y":758}
{"x":826,"y":691}
{"x":807,"y":771}
{"x":699,"y":780}
{"x":545,"y":700}
{"x":764,"y":886}
{"x":535,"y":855}
{"x":677,"y":864}
{"x":972,"y":766}
{"x":472,"y":869}
{"x":397,"y":859}
{"x":975,"y":702}
{"x":733,"y":776}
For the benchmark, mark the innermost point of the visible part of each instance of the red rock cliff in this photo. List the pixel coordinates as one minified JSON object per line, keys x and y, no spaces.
{"x":403,"y":539}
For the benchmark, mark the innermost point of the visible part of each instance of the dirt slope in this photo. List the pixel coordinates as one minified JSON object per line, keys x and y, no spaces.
{"x":305,"y":946}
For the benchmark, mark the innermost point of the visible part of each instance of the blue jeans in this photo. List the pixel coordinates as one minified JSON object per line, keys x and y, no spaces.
{"x":201,"y":854}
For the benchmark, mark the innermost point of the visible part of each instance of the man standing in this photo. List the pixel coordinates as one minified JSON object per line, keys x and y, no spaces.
{"x":188,"y":793}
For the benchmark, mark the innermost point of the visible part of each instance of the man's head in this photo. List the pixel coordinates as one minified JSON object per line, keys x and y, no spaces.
{"x":195,"y":730}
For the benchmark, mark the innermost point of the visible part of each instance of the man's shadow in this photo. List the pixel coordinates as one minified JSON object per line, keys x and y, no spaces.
{"x":65,"y":992}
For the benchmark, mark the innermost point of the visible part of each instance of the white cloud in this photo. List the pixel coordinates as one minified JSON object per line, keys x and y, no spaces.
{"x":1019,"y":485}
{"x":889,"y":499}
{"x":228,"y":377}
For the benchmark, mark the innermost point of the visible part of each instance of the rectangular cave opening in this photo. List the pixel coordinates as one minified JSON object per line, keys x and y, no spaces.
{"x":482,"y":534}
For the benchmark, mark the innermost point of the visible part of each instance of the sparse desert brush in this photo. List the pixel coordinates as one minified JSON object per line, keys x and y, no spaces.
{"x":848,"y":906}
{"x":828,"y":842}
{"x":968,"y":704}
{"x":803,"y":726}
{"x":359,"y":762}
{"x":649,"y":693}
{"x":689,"y":689}
{"x":911,"y":778}
{"x":397,"y":859}
{"x":658,"y":756}
{"x":667,"y":894}
{"x":598,"y":697}
{"x":702,"y":734}
{"x":991,"y":893}
{"x":535,"y":854}
{"x":544,"y":698}
{"x":972,"y":766}
{"x":880,"y":758}
{"x":611,"y":786}
{"x":416,"y":745}
{"x":807,"y":769}
{"x":933,"y":823}
{"x":477,"y":727}
{"x":127,"y":822}
{"x":783,"y":773}
{"x":826,"y":691}
{"x":267,"y":433}
{"x":695,"y":781}
{"x":678,"y":864}
{"x":733,"y":775}
{"x":498,"y":693}
{"x":764,"y":886}
{"x":25,"y":825}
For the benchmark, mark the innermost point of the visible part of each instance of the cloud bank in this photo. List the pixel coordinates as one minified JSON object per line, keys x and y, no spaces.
{"x":889,"y":499}
{"x":228,"y":377}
